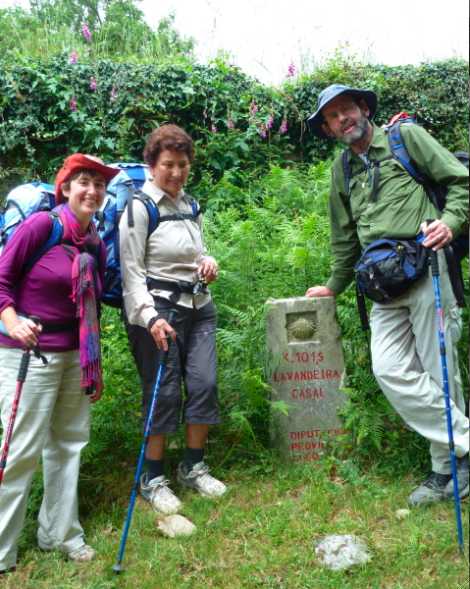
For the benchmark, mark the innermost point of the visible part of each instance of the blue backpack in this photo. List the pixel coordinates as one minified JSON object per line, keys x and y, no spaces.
{"x":20,"y":203}
{"x":121,"y":192}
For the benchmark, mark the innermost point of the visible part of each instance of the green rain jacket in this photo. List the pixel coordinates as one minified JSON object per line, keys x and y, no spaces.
{"x":401,"y":205}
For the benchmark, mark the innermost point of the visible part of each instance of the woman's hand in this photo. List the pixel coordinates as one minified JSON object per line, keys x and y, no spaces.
{"x":208,"y":269}
{"x":25,"y":331}
{"x":96,"y":394}
{"x":160,"y":331}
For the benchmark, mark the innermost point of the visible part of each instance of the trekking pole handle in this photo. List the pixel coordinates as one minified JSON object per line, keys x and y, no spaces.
{"x":171,"y":316}
{"x":36,"y":350}
{"x":434,"y":259}
{"x":24,"y":365}
{"x":170,"y":319}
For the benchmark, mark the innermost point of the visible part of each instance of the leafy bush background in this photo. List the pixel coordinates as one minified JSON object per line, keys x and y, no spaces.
{"x":263,"y":181}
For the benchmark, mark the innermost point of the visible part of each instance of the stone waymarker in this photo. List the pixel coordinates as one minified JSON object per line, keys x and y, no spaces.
{"x":305,"y":369}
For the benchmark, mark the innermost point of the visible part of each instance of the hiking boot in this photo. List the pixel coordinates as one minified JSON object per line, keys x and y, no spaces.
{"x":431,"y":491}
{"x":83,"y":554}
{"x":462,"y":479}
{"x":198,"y":478}
{"x":159,"y":495}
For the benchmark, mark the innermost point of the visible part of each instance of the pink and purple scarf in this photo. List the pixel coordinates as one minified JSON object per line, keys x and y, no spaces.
{"x":86,"y":288}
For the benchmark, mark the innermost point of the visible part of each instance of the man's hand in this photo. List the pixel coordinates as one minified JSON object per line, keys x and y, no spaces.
{"x":208,"y":269}
{"x":160,"y":330}
{"x":319,"y":291}
{"x":437,"y":234}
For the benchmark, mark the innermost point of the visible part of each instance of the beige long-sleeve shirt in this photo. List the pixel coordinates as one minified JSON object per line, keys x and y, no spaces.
{"x":173,"y":252}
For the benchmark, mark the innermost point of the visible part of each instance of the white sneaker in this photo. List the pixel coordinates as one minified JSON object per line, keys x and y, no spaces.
{"x":83,"y":554}
{"x":199,"y":478}
{"x":159,"y":495}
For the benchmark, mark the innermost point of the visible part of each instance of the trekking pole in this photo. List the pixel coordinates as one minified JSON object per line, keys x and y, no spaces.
{"x":22,"y":372}
{"x":117,"y":568}
{"x":445,"y":381}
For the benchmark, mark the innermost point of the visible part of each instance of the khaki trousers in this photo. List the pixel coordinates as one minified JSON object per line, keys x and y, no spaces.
{"x":407,"y":364}
{"x":53,"y":420}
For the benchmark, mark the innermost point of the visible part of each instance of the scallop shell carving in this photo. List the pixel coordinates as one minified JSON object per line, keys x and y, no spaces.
{"x":302,"y":329}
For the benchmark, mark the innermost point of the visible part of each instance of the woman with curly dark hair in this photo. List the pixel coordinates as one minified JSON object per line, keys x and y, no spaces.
{"x":170,"y":270}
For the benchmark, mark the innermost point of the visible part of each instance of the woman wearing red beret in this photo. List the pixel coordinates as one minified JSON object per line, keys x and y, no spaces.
{"x":61,"y":288}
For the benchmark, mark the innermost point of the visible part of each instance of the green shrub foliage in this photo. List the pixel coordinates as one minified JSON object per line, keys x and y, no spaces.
{"x":51,"y":108}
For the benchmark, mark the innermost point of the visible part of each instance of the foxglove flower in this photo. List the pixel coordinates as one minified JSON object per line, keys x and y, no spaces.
{"x":213,"y":128}
{"x":73,"y":58}
{"x":93,"y":84}
{"x":291,"y":70}
{"x":113,"y":94}
{"x":86,"y":33}
{"x":262,"y":132}
{"x":284,"y":127}
{"x":253,"y":108}
{"x":73,"y":104}
{"x":270,"y":122}
{"x":230,"y":124}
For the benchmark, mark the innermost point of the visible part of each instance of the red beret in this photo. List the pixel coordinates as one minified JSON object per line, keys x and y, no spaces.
{"x":79,"y":161}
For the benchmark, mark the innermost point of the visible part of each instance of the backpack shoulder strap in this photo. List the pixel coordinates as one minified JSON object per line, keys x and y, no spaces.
{"x":194,"y":206}
{"x":54,"y":238}
{"x":346,"y":165}
{"x":193,"y":215}
{"x":151,"y":207}
{"x":400,"y":151}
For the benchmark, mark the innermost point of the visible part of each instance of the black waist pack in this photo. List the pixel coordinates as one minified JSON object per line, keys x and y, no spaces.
{"x":387,"y":268}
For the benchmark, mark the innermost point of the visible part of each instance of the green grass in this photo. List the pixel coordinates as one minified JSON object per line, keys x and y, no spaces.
{"x":261,"y":535}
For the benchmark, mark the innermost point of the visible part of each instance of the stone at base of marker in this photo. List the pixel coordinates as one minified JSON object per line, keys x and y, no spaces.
{"x":175,"y":525}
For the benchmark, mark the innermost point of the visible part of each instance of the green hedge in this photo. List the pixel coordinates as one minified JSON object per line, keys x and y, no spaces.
{"x":49,"y":109}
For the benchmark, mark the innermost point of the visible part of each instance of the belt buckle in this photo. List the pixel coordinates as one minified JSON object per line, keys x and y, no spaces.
{"x":199,"y":287}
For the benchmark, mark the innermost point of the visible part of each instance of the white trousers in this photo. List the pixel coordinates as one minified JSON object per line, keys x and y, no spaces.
{"x":53,"y":420}
{"x":407,"y":364}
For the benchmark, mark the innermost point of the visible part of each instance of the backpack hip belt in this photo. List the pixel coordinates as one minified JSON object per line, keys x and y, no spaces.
{"x":178,"y":287}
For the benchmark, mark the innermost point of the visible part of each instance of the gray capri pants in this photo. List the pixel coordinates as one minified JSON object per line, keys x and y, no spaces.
{"x":191,"y":360}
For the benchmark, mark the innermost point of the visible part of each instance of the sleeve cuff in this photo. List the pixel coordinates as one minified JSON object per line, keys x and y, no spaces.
{"x":337,"y":285}
{"x":454,"y":224}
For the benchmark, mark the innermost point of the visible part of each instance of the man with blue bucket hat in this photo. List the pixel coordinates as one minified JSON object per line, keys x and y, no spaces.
{"x":380,"y":199}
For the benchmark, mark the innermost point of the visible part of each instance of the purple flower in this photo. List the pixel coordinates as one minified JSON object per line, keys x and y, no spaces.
{"x":114,"y":94}
{"x":253,"y":108}
{"x":230,"y":124}
{"x":93,"y":84}
{"x":291,"y":70}
{"x":73,"y":104}
{"x":284,"y":127}
{"x":262,"y":131}
{"x":213,"y":128}
{"x":73,"y":58}
{"x":270,"y":122}
{"x":86,"y":33}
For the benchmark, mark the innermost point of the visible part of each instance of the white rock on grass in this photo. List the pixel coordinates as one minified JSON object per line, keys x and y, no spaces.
{"x":176,"y":525}
{"x":402,"y":513}
{"x":341,"y":552}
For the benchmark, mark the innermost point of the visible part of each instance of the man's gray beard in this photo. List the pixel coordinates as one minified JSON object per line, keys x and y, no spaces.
{"x":359,"y":132}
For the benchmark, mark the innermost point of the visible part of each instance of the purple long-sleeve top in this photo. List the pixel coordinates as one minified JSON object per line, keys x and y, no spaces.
{"x":46,"y":289}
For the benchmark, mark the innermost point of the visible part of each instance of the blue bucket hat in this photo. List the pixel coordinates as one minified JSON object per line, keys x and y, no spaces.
{"x":316,"y":121}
